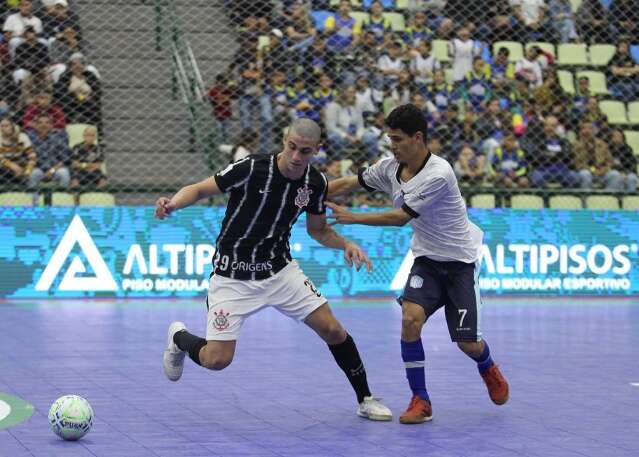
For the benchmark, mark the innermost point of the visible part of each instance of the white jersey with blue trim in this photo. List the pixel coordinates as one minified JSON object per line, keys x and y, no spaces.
{"x":441,"y":228}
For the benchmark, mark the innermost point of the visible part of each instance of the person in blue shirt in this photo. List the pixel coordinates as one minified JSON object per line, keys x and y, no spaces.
{"x":377,"y":23}
{"x":509,"y":164}
{"x":477,"y":87}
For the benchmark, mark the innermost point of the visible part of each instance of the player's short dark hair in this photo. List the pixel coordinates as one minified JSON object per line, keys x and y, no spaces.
{"x":409,"y":119}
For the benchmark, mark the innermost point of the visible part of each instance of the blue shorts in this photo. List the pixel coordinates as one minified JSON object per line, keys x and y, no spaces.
{"x":453,"y":285}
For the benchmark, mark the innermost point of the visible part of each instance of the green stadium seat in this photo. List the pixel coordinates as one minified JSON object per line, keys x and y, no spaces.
{"x":524,"y":201}
{"x":632,"y":138}
{"x":516,"y":49}
{"x":62,"y":199}
{"x":565,"y":202}
{"x":75,"y":132}
{"x":633,"y":112}
{"x":97,"y":199}
{"x":597,"y":80}
{"x":448,"y":74}
{"x":615,"y":111}
{"x":566,"y":81}
{"x":354,"y":3}
{"x":359,"y":16}
{"x":575,"y":5}
{"x":600,"y":54}
{"x":440,"y":50}
{"x":396,"y":20}
{"x":482,"y":201}
{"x":602,"y":202}
{"x":572,"y":54}
{"x":630,"y":202}
{"x":16,"y":199}
{"x":402,"y":4}
{"x":548,"y":47}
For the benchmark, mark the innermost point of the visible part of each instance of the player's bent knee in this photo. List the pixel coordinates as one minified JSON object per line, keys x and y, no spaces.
{"x":411,"y":325}
{"x":216,"y":361}
{"x":334,"y":333}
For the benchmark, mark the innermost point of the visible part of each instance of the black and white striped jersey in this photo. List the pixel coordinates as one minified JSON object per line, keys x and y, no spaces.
{"x":263,"y":206}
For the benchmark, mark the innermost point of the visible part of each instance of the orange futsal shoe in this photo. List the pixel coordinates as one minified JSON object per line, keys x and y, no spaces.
{"x":419,"y":410}
{"x":496,"y":384}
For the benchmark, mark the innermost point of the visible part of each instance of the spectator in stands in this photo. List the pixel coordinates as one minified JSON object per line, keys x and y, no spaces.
{"x":594,"y":161}
{"x":496,"y":23}
{"x":624,"y":17}
{"x":440,"y":93}
{"x":550,"y":96}
{"x":80,"y":92}
{"x":342,"y":30}
{"x":477,"y":87}
{"x":344,"y":123}
{"x":278,"y":91}
{"x":301,"y":102}
{"x":15,"y":24}
{"x":563,"y":20}
{"x":463,"y":51}
{"x":491,"y":127}
{"x":374,"y":138}
{"x":368,"y":100}
{"x":64,"y":46}
{"x":220,"y":96}
{"x":623,"y":73}
{"x":592,"y":22}
{"x":530,"y":68}
{"x":625,"y":161}
{"x":470,"y":166}
{"x":594,"y":114}
{"x":531,"y":19}
{"x":376,"y":22}
{"x":402,"y":92}
{"x":43,"y":105}
{"x":245,"y":146}
{"x":276,"y":55}
{"x":87,"y":161}
{"x":423,"y":65}
{"x":365,"y":57}
{"x":324,"y":94}
{"x":579,"y":101}
{"x":502,"y":72}
{"x":449,"y":130}
{"x":417,"y":32}
{"x":17,"y":157}
{"x":31,"y":58}
{"x":551,"y":156}
{"x":58,"y":19}
{"x":391,"y":66}
{"x":509,"y":163}
{"x":300,"y":31}
{"x":52,"y":152}
{"x":320,"y":60}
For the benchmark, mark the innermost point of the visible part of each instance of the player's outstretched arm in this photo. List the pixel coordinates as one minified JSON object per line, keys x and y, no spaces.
{"x":343,"y":186}
{"x":341,"y":215}
{"x":324,"y":234}
{"x":186,"y":196}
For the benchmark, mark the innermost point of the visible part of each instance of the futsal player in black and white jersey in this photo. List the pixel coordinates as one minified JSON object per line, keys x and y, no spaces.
{"x":253,"y":267}
{"x":446,"y":246}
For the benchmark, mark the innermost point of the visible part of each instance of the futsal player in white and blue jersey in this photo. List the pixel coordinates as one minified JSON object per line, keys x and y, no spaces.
{"x":253,"y":267}
{"x":446,"y":246}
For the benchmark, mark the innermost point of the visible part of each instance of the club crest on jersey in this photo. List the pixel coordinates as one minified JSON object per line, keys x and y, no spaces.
{"x":221,"y":321}
{"x":303,"y":196}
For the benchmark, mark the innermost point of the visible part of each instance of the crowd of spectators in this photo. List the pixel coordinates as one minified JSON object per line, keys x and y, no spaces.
{"x":46,"y":84}
{"x":498,"y":122}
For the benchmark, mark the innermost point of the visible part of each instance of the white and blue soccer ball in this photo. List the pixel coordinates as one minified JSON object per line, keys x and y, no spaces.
{"x":71,"y":417}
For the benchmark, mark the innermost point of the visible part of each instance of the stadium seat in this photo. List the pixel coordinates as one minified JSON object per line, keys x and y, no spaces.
{"x":396,"y":20}
{"x":572,"y":54}
{"x":402,"y":4}
{"x":319,"y":18}
{"x":575,"y":5}
{"x":633,"y":112}
{"x":75,"y":132}
{"x":440,"y":50}
{"x":632,"y":138}
{"x":602,"y":202}
{"x":97,"y":199}
{"x":359,"y":16}
{"x":62,"y":199}
{"x":16,"y":199}
{"x":548,"y":47}
{"x":630,"y":202}
{"x":597,"y":81}
{"x":565,"y":202}
{"x":448,"y":74}
{"x":615,"y":111}
{"x":524,"y":201}
{"x":566,"y":81}
{"x":482,"y":201}
{"x":600,"y":54}
{"x":516,"y":49}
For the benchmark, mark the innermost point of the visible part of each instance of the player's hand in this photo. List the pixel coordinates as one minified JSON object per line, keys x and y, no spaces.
{"x":340,"y":215}
{"x":354,"y":255}
{"x":163,"y":207}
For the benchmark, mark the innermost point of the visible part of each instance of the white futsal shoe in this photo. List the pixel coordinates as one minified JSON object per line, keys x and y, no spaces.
{"x":371,"y":408}
{"x":173,"y":359}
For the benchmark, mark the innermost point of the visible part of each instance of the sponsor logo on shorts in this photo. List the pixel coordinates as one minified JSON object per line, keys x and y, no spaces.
{"x":416,"y":282}
{"x":221,"y":321}
{"x":303,"y":196}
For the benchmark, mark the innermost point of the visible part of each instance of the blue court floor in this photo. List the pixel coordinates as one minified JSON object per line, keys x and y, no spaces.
{"x":573,"y":367}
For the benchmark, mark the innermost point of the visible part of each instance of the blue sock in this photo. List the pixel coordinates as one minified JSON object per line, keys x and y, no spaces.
{"x":484,"y":361}
{"x":413,"y":357}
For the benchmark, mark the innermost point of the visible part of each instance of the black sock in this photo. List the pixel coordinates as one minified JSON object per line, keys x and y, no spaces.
{"x":348,"y":359}
{"x":189,"y":343}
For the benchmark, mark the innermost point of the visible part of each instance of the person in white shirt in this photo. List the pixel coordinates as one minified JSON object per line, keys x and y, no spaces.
{"x":446,"y":246}
{"x":16,"y":23}
{"x":531,"y":16}
{"x":423,"y":65}
{"x":530,"y":68}
{"x":344,"y":123}
{"x":366,"y":98}
{"x":463,"y":51}
{"x":391,"y":65}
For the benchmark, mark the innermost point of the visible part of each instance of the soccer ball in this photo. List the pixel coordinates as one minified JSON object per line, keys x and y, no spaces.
{"x":71,"y":417}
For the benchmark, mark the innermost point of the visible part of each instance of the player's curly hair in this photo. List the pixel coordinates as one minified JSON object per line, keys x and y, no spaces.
{"x":409,"y":119}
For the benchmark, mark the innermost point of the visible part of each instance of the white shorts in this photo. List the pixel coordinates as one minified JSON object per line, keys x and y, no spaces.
{"x":231,"y":301}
